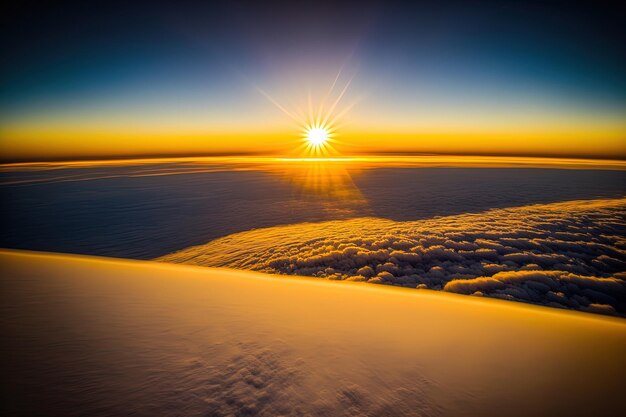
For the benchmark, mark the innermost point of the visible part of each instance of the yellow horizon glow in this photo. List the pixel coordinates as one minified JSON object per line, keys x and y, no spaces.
{"x":278,"y":120}
{"x":97,"y":136}
{"x":35,"y":143}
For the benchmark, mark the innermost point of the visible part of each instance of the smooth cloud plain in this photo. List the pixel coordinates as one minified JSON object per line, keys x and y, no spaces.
{"x":566,"y":255}
{"x":100,"y":337}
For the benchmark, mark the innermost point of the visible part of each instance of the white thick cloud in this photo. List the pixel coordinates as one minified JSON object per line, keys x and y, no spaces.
{"x":568,"y":255}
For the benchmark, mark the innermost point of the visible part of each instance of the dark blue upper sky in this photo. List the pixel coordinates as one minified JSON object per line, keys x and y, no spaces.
{"x":61,"y":48}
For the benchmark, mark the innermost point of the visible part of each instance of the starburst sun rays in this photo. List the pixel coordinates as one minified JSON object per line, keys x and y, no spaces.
{"x":318,"y":124}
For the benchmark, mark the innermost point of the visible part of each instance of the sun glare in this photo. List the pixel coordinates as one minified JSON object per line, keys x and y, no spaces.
{"x":320,"y":123}
{"x":317,"y":136}
{"x":317,"y":140}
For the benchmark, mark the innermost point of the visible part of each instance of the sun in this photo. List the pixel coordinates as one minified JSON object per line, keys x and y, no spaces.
{"x":318,"y":122}
{"x":317,"y":136}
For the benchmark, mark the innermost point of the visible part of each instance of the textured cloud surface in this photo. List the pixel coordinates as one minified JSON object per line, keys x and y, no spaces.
{"x":567,"y":255}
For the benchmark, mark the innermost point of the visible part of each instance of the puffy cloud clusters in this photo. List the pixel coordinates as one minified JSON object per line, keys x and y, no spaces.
{"x":553,"y":288}
{"x":568,"y":255}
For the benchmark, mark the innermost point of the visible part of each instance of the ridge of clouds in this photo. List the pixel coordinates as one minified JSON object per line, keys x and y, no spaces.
{"x":566,"y":255}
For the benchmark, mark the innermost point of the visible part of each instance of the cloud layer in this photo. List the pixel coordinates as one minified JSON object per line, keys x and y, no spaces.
{"x":567,"y":255}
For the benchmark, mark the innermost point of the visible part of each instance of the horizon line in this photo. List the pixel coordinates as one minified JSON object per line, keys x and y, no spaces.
{"x":189,"y":155}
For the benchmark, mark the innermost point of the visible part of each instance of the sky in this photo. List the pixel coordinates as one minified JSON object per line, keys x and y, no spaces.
{"x":109,"y":79}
